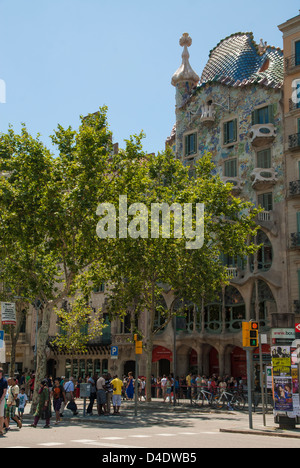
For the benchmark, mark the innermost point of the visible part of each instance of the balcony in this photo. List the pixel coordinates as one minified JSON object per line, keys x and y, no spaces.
{"x":207,"y":114}
{"x":294,"y":188}
{"x":264,"y":216}
{"x":291,"y":63}
{"x":263,"y":179}
{"x":236,"y":182}
{"x":294,"y":142}
{"x":232,"y":272}
{"x":262,"y":134}
{"x":293,"y":105}
{"x":269,"y":221}
{"x":295,"y":240}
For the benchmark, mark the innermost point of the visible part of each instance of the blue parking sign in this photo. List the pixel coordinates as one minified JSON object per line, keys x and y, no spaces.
{"x":114,"y":352}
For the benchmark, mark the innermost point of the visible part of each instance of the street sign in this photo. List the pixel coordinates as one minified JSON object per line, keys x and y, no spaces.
{"x":8,"y":313}
{"x":114,"y":352}
{"x":283,"y":336}
{"x":1,"y":339}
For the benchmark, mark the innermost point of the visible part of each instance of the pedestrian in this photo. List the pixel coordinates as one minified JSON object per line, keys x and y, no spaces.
{"x":169,"y":389}
{"x":31,"y":386}
{"x":23,"y":398}
{"x":143,"y":389}
{"x":109,"y":392}
{"x":93,"y":395}
{"x":70,"y":396}
{"x":130,"y":387}
{"x":43,"y":409}
{"x":101,"y":395}
{"x":59,"y":396}
{"x":188,"y":380}
{"x":3,"y":390}
{"x":163,"y":384}
{"x":11,"y":403}
{"x":117,"y":386}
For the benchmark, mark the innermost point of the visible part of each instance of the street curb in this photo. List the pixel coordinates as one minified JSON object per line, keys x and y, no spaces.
{"x":261,"y":433}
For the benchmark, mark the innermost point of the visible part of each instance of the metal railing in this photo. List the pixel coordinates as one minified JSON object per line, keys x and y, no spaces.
{"x":295,"y":240}
{"x":294,"y":141}
{"x":292,"y":61}
{"x":294,"y":188}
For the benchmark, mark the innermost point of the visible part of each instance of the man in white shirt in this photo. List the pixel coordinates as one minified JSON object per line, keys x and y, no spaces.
{"x":101,"y":394}
{"x":163,"y":384}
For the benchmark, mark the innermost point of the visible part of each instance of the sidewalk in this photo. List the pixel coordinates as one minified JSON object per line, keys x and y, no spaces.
{"x":151,"y":414}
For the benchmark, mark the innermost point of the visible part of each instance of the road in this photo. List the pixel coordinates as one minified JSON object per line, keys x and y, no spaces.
{"x":159,"y":431}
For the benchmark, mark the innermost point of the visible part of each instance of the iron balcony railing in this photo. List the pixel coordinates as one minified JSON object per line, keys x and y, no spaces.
{"x":292,"y":61}
{"x":294,"y":188}
{"x":294,"y":141}
{"x":294,"y":105}
{"x":295,"y":240}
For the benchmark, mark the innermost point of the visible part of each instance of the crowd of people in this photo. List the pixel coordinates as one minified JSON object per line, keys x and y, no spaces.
{"x":57,"y":393}
{"x":105,"y":390}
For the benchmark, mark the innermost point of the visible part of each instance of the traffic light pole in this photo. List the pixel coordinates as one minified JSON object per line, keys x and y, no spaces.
{"x":136,"y":384}
{"x":249,"y":385}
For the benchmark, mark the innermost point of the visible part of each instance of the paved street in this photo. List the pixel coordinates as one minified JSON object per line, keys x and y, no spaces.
{"x":150,"y":430}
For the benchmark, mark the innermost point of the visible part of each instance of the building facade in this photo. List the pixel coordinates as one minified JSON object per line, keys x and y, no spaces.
{"x":235,"y":112}
{"x":291,"y":47}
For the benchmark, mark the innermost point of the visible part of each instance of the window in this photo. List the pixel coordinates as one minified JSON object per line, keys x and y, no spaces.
{"x":191,"y":144}
{"x":265,"y":253}
{"x":264,"y":159}
{"x":264,"y":115}
{"x":298,"y":221}
{"x":100,"y":288}
{"x":230,"y":168}
{"x":265,"y":200}
{"x":230,"y":132}
{"x":297,"y":53}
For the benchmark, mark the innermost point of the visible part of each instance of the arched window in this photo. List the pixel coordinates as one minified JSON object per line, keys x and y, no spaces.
{"x":213,"y":316}
{"x":235,"y":311}
{"x":263,"y":296}
{"x":264,"y":255}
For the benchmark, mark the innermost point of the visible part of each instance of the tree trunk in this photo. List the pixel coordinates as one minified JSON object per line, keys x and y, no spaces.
{"x":149,"y":350}
{"x":41,"y":365}
{"x":151,"y":319}
{"x":14,"y":335}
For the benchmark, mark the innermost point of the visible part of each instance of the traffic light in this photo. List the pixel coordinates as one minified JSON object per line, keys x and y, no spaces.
{"x":250,"y":334}
{"x":138,"y":347}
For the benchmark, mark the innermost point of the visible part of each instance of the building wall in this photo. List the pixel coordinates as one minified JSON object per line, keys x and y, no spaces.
{"x":291,"y":34}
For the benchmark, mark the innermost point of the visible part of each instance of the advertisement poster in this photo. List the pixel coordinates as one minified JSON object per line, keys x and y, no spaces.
{"x":283,"y":396}
{"x":281,"y":360}
{"x":8,"y":313}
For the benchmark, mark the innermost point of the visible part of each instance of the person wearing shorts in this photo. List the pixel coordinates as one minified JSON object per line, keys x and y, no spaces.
{"x":10,"y":412}
{"x":3,"y":390}
{"x":117,"y":385}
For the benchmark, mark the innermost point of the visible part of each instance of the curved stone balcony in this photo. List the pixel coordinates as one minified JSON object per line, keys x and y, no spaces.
{"x":262,"y":134}
{"x":263,"y":178}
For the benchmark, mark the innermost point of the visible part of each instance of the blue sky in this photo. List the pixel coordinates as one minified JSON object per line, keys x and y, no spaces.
{"x":64,"y":58}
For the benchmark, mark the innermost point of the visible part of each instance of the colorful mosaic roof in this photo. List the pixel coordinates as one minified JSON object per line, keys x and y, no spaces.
{"x":238,"y":61}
